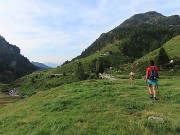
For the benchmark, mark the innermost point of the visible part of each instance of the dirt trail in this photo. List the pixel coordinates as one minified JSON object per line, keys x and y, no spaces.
{"x":107,"y":76}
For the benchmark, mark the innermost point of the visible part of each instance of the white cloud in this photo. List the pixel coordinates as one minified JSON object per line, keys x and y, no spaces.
{"x":67,"y":26}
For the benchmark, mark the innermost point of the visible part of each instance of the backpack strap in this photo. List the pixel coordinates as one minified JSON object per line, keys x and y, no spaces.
{"x":151,"y":71}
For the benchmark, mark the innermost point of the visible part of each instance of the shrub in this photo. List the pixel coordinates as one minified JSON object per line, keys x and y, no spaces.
{"x":93,"y":76}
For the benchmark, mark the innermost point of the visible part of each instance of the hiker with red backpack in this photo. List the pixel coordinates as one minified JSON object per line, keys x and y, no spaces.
{"x":152,"y":79}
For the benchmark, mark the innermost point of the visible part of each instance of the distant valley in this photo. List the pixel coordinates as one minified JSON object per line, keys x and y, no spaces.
{"x":53,"y":65}
{"x":41,"y":66}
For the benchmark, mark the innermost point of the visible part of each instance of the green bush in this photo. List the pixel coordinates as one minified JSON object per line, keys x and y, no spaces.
{"x":93,"y":76}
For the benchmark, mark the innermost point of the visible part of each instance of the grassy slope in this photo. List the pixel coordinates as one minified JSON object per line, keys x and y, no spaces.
{"x":95,"y":107}
{"x":43,"y":80}
{"x":71,"y":67}
{"x":172,"y":48}
{"x":6,"y":100}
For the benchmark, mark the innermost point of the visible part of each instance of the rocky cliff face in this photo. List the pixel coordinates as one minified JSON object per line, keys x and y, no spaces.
{"x":12,"y":63}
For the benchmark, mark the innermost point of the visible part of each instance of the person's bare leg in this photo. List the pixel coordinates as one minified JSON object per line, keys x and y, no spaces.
{"x":154,"y":91}
{"x":150,"y":89}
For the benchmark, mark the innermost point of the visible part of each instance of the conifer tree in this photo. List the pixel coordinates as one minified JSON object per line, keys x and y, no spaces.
{"x":99,"y":66}
{"x":80,"y":72}
{"x":162,"y":58}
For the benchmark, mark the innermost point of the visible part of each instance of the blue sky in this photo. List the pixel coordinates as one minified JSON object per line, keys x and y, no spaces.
{"x":59,"y":30}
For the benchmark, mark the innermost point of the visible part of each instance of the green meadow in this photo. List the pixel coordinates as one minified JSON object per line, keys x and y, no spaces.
{"x":93,"y":107}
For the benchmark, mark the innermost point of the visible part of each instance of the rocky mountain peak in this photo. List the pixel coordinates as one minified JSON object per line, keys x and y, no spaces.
{"x":151,"y":17}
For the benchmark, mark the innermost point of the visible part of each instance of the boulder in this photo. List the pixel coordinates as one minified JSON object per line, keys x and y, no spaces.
{"x":155,"y":119}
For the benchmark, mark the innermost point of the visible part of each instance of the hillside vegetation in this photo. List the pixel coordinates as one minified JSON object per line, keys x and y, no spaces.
{"x":135,"y":38}
{"x":172,"y":48}
{"x":44,"y":80}
{"x":138,"y":35}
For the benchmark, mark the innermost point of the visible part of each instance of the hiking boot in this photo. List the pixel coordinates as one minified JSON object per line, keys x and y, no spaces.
{"x":155,"y":98}
{"x":151,"y":96}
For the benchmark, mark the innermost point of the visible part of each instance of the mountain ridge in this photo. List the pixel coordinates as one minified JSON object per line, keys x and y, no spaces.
{"x":13,"y":64}
{"x":170,"y":25}
{"x":151,"y":17}
{"x":51,"y":64}
{"x":42,"y":66}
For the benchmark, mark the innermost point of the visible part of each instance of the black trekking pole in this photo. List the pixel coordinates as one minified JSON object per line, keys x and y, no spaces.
{"x":157,"y":90}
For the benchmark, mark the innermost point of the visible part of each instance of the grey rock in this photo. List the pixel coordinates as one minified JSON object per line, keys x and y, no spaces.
{"x":158,"y":119}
